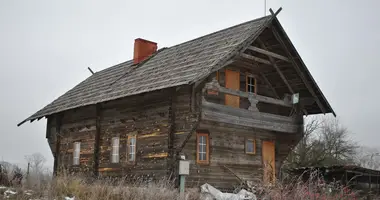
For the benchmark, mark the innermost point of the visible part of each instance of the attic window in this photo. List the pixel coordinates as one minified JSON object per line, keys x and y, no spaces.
{"x":131,"y":151}
{"x":115,"y":150}
{"x":76,"y":153}
{"x":251,"y":84}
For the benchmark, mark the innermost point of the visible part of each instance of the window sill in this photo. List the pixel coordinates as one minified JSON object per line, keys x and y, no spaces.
{"x":203,"y":163}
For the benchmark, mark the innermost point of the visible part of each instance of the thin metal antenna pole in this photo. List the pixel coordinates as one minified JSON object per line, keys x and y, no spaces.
{"x":265,"y":7}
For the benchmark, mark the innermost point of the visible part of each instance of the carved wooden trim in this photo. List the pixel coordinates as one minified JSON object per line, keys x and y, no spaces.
{"x":240,"y":112}
{"x":253,"y":106}
{"x":214,"y":85}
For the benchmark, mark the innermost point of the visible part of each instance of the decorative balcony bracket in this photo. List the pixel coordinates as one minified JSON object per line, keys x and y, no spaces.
{"x":253,"y":102}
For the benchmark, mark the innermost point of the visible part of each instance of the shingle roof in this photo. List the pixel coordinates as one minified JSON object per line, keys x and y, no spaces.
{"x":177,"y":65}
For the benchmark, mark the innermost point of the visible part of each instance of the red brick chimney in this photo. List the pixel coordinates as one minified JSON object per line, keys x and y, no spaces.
{"x":143,"y":49}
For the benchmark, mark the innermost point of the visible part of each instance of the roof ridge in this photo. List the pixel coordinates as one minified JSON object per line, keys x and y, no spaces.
{"x":221,"y":30}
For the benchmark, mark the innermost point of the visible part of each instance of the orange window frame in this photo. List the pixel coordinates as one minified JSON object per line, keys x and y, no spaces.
{"x":207,"y":148}
{"x":253,"y":141}
{"x":247,"y":76}
{"x":134,"y":148}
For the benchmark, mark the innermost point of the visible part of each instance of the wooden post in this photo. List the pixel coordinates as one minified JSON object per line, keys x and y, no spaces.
{"x":57,"y":143}
{"x":184,"y":170}
{"x":182,"y":185}
{"x":97,"y":141}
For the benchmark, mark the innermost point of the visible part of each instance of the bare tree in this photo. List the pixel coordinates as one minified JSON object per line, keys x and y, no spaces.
{"x":36,"y":161}
{"x":325,"y":142}
{"x":36,"y":173}
{"x":368,"y":157}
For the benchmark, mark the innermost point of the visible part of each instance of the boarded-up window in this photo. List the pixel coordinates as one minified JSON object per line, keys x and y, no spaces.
{"x":250,"y":84}
{"x":250,"y":146}
{"x":115,"y":150}
{"x":76,"y":153}
{"x":131,"y":148}
{"x":202,"y":148}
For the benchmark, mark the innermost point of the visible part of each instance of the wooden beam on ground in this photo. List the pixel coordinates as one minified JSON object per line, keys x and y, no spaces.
{"x":268,"y":53}
{"x":295,"y":65}
{"x":254,"y":58}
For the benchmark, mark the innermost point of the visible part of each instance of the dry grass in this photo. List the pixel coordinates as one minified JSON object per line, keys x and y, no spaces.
{"x":83,"y":189}
{"x":67,"y":185}
{"x":315,"y":188}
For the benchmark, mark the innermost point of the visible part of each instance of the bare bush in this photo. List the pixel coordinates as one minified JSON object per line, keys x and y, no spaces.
{"x":37,"y":173}
{"x":325,"y":142}
{"x":313,"y":188}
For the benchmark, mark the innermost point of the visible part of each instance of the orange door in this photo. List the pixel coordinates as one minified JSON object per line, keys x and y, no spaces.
{"x":269,"y":162}
{"x":232,"y":82}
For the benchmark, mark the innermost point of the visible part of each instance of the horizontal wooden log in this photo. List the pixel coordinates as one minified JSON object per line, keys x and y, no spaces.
{"x":249,"y":122}
{"x":268,"y":53}
{"x":239,"y":112}
{"x":254,"y":58}
{"x":215,"y":86}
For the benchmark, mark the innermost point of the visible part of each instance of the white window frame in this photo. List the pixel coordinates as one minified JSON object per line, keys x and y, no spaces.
{"x":251,"y":84}
{"x":131,"y":147}
{"x":76,"y":153}
{"x":115,"y":150}
{"x":202,"y":148}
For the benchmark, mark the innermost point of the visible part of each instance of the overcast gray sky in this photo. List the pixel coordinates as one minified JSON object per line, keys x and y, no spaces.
{"x":46,"y":47}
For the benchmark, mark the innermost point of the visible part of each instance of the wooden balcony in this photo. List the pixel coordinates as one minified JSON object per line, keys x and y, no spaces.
{"x":249,"y":115}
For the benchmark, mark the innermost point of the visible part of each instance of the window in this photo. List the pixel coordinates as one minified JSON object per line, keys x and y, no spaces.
{"x":202,"y":148}
{"x":250,"y":84}
{"x":131,"y":151}
{"x":115,"y":150}
{"x":76,"y":153}
{"x":250,"y":146}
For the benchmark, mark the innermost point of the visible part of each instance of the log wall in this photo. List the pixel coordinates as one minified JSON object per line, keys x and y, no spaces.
{"x":163,"y":121}
{"x":146,"y":116}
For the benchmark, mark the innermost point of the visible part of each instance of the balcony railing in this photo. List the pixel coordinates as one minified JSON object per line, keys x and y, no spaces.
{"x":248,"y":115}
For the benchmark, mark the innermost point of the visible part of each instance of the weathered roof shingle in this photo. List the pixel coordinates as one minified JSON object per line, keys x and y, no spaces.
{"x":177,"y":65}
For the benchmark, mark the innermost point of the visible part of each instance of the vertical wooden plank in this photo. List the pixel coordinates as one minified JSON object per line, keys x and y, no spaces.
{"x":48,"y":125}
{"x":268,"y":154}
{"x":232,"y":82}
{"x":57,"y":143}
{"x":171,"y":161}
{"x":97,"y":141}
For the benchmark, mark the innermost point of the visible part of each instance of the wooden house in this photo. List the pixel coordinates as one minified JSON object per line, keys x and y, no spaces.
{"x":231,"y":102}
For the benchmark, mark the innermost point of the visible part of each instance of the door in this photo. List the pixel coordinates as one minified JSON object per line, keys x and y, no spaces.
{"x":232,"y":82}
{"x":269,"y":166}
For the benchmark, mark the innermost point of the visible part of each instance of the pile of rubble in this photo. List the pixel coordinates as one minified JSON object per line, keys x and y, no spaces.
{"x":208,"y":192}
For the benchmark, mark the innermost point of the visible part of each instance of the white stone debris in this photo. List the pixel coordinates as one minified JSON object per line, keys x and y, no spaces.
{"x":8,"y":193}
{"x":208,"y":192}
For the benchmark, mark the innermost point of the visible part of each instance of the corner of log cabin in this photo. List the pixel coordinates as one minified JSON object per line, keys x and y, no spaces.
{"x":269,"y":120}
{"x":165,"y":124}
